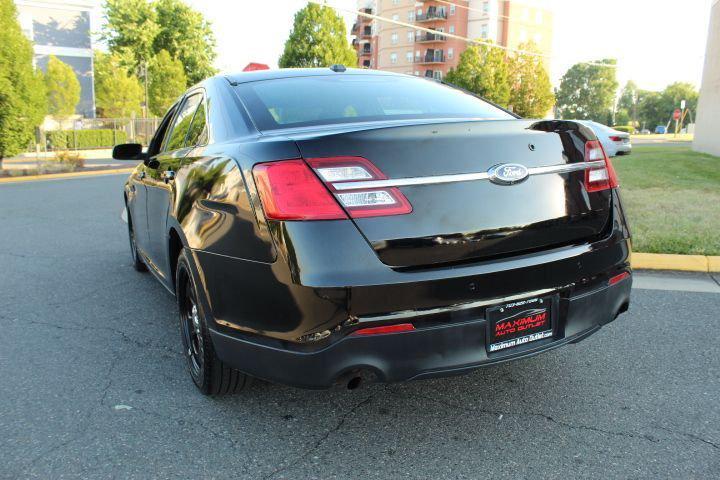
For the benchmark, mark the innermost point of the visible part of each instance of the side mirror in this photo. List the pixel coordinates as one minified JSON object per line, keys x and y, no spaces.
{"x":128,"y":151}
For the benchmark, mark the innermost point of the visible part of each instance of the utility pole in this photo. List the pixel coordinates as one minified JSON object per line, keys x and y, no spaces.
{"x":145,"y":76}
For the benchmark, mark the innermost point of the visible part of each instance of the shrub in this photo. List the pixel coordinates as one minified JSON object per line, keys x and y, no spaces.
{"x":96,"y":138}
{"x":71,"y":159}
{"x":625,"y":128}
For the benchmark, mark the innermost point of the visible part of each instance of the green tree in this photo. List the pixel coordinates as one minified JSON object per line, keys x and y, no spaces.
{"x":130,"y":29}
{"x":23,"y":102}
{"x":676,"y":92}
{"x":166,"y":83}
{"x":117,"y":93}
{"x":318,"y":39}
{"x":587,"y":91}
{"x":186,"y":36}
{"x":628,"y":103}
{"x":531,"y":94}
{"x":651,"y":111}
{"x":483,"y":70}
{"x":622,"y":117}
{"x":63,"y":88}
{"x":137,"y":30}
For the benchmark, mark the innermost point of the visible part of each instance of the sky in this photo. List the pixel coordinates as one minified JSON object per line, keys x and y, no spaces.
{"x":656,"y":42}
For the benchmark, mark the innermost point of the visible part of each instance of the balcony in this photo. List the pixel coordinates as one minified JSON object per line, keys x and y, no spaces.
{"x":431,"y":15}
{"x":365,"y":51}
{"x":430,"y":37}
{"x":430,"y":58}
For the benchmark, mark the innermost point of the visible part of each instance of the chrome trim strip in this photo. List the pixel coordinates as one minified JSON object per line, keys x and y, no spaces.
{"x":460,"y":177}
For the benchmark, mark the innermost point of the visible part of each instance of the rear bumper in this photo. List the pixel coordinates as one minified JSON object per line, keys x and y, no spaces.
{"x":434,"y":349}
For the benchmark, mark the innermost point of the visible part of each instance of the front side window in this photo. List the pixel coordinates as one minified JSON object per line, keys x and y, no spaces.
{"x":320,"y":100}
{"x":181,"y":125}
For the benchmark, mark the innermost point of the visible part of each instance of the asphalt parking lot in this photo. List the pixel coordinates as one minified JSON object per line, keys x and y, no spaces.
{"x":93,"y":384}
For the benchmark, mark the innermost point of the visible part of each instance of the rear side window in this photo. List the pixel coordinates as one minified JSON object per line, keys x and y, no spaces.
{"x":197,"y":134}
{"x":307,"y":101}
{"x":181,"y":125}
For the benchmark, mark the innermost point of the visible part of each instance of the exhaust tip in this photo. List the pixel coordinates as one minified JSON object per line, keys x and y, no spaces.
{"x":354,"y":383}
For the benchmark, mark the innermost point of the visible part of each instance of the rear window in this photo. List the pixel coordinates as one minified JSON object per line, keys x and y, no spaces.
{"x":308,"y":101}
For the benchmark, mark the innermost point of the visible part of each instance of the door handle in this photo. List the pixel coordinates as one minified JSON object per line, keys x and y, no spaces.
{"x":168,"y":175}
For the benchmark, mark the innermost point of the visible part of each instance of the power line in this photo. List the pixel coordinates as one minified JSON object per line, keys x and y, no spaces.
{"x":445,"y":34}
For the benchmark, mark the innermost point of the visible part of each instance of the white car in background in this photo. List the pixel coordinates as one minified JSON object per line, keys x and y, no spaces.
{"x":613,"y":141}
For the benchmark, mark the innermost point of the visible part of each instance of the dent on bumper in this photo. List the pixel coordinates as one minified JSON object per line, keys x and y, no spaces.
{"x":437,"y":350}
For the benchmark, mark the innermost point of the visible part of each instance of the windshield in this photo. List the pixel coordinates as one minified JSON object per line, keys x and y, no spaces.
{"x":308,"y":101}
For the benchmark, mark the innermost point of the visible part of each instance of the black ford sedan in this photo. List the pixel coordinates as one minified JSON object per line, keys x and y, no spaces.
{"x":333,"y":226}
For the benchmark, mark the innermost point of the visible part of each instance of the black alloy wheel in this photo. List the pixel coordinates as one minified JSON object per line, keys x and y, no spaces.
{"x":208,"y":372}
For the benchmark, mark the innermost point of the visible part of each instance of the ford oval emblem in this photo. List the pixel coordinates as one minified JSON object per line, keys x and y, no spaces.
{"x":508,"y":173}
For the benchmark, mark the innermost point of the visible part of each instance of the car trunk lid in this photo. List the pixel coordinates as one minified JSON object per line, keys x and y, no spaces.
{"x":458,"y":214}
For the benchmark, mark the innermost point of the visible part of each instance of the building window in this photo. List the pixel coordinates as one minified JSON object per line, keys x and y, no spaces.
{"x":537,"y":38}
{"x":451,"y":53}
{"x":523,"y":35}
{"x":394,"y":38}
{"x":484,"y":30}
{"x":538,"y":17}
{"x":409,"y":57}
{"x":486,"y":7}
{"x":411,"y":36}
{"x":393,"y":58}
{"x":437,"y":74}
{"x":452,"y":9}
{"x":396,"y":2}
{"x":417,"y":73}
{"x":411,"y":16}
{"x":396,"y":17}
{"x":417,"y":54}
{"x":452,"y":29}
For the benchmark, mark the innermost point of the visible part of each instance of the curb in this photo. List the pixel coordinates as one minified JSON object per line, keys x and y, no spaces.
{"x":685,"y":263}
{"x":57,"y":176}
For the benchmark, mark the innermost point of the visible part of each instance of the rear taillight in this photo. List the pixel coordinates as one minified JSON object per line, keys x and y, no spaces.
{"x":289,"y":190}
{"x":616,"y":139}
{"x":602,"y":176}
{"x":365,"y":202}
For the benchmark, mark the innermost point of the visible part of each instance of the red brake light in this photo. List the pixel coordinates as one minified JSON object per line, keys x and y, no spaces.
{"x":360,"y":203}
{"x":601,"y":177}
{"x":616,"y":139}
{"x":289,"y":190}
{"x":400,"y":327}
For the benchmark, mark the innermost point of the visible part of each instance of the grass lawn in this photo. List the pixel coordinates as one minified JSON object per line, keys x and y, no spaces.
{"x":672,"y":199}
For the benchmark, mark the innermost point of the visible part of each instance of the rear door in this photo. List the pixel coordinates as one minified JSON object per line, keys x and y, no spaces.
{"x":466,"y":218}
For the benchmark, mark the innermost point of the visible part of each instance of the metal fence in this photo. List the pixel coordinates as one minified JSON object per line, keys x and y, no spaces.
{"x":117,"y":130}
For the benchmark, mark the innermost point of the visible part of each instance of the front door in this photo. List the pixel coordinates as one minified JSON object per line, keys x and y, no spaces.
{"x":160,"y":183}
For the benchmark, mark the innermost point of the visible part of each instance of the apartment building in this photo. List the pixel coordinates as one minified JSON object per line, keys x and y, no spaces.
{"x":365,"y":41}
{"x":417,"y":52}
{"x":62,"y":28}
{"x":511,"y":23}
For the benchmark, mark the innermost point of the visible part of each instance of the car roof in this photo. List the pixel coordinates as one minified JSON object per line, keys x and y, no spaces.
{"x":257,"y":75}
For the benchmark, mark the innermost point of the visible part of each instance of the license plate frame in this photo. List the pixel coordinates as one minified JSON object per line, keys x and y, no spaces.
{"x":521,"y":323}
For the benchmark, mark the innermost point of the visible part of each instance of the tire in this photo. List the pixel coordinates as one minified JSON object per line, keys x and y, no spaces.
{"x":136,"y":260}
{"x":208,"y":372}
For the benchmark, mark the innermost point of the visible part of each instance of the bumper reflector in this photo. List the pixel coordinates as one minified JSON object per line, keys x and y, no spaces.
{"x":400,"y":327}
{"x":618,"y":278}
